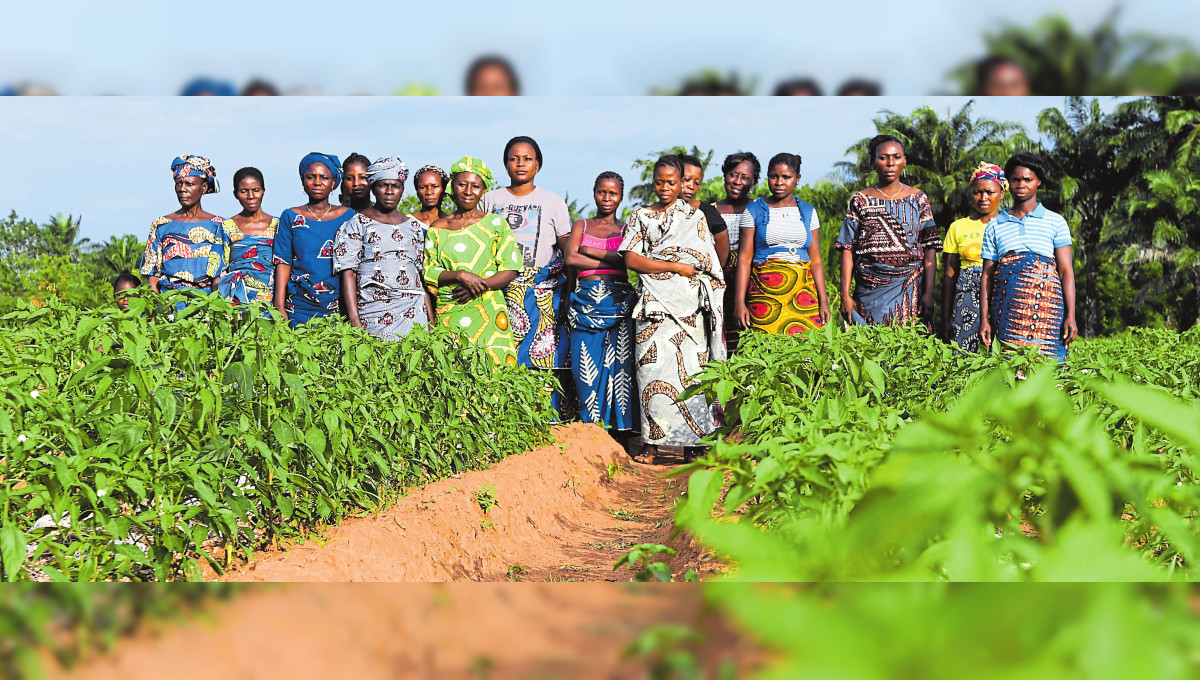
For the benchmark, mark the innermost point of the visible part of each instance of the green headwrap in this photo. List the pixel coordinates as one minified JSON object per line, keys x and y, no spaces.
{"x":470,"y":164}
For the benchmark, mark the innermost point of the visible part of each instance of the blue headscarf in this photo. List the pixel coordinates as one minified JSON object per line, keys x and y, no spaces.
{"x":210,"y":86}
{"x":331,"y":162}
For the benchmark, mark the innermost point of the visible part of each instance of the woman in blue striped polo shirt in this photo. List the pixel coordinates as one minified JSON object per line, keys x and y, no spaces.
{"x":1028,"y":274}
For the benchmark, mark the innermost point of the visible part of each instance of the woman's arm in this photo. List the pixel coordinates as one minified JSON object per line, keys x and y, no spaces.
{"x":928,"y":272}
{"x":844,"y":284}
{"x":648,"y":265}
{"x":741,"y":282}
{"x":283,"y":272}
{"x":817,"y":267}
{"x":573,"y":255}
{"x":721,"y":243}
{"x":985,"y":289}
{"x":429,"y":308}
{"x":609,"y":257}
{"x":1063,"y":257}
{"x":350,"y":296}
{"x":949,"y":285}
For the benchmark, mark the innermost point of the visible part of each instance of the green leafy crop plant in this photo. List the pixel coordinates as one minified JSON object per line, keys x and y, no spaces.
{"x":881,"y":454}
{"x":134,"y":446}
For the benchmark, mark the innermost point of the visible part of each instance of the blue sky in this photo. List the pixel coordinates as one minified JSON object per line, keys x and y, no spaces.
{"x":108,"y":158}
{"x":149,"y":47}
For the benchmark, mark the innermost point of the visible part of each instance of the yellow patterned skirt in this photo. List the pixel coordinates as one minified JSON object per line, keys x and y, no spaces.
{"x":782,"y":298}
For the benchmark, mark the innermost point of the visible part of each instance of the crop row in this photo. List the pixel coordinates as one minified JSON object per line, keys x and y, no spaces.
{"x":135,"y":446}
{"x":877,"y":453}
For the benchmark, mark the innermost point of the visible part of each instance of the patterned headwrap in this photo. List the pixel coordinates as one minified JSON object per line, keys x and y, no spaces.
{"x":331,"y":162}
{"x":992,"y":172}
{"x":431,"y":168}
{"x":186,"y":165}
{"x":471,"y":164}
{"x":388,"y":167}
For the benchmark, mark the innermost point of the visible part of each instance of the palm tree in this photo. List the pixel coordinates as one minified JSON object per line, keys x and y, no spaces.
{"x":118,"y":255}
{"x":1084,"y":154}
{"x":1059,"y":60}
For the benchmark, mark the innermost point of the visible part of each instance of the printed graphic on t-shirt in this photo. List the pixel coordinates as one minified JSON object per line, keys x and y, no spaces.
{"x":525,"y":221}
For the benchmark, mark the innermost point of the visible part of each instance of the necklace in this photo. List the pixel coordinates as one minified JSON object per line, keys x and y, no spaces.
{"x":326,"y":213}
{"x":893,"y":195}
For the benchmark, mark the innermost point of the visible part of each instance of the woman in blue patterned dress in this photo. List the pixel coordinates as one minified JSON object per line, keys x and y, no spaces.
{"x":306,"y":286}
{"x":249,"y":243}
{"x":185,"y":249}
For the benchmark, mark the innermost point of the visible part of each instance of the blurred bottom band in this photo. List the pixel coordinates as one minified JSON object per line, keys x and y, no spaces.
{"x":637,"y":630}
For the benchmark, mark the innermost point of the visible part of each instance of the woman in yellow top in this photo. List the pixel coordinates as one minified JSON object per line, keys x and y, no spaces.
{"x":470,"y":256}
{"x":964,"y":258}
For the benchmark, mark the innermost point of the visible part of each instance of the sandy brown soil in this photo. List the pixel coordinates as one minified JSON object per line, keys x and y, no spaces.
{"x":417,"y":630}
{"x":560,"y":516}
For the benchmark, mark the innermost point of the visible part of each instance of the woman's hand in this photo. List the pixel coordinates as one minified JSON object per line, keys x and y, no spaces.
{"x":823,"y":313}
{"x":985,"y":333}
{"x":1069,"y":330}
{"x":470,"y":286}
{"x":848,"y":308}
{"x":685,"y":269}
{"x":925,"y":304}
{"x":741,"y":314}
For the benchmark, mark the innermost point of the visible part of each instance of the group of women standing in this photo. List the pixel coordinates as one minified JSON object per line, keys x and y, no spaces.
{"x":508,"y":270}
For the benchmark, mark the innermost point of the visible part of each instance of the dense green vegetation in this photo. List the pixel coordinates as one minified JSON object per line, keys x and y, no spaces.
{"x":134,"y":445}
{"x":878,"y":453}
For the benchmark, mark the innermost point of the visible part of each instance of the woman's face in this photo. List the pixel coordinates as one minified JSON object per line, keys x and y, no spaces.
{"x":667,"y":184}
{"x":429,"y":189}
{"x":986,"y":195}
{"x":693,"y":177}
{"x":467,"y":189}
{"x":607,"y":195}
{"x":889,"y":162}
{"x":388,"y":193}
{"x":355,"y":181}
{"x":249,"y":192}
{"x":318,"y":182}
{"x":189,"y":190}
{"x":781,"y":181}
{"x":521,"y":163}
{"x":1023,"y":183}
{"x":739,"y":180}
{"x":492,"y":81}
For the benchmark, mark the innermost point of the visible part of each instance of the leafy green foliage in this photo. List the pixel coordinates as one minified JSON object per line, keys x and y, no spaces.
{"x":878,"y":453}
{"x":135,"y":445}
{"x":486,"y":497}
{"x":940,"y":631}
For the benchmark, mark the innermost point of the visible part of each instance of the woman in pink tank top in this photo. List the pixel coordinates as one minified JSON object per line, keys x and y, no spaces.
{"x":600,"y":315}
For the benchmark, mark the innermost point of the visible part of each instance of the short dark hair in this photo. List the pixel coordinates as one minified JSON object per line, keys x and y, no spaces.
{"x":786,"y":87}
{"x":1024,"y":159}
{"x":258,"y":85}
{"x":355,"y":158}
{"x":491,"y":60}
{"x":733,"y":159}
{"x":522,"y":139}
{"x":879,"y":140}
{"x":126,"y":278}
{"x":715,"y":88}
{"x":669,"y":161}
{"x":609,"y":174}
{"x":860,"y":86}
{"x":789,"y":159}
{"x":689,"y":159}
{"x":248,"y":172}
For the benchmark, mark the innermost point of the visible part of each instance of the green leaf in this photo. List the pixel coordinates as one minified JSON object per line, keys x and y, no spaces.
{"x":12,"y":550}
